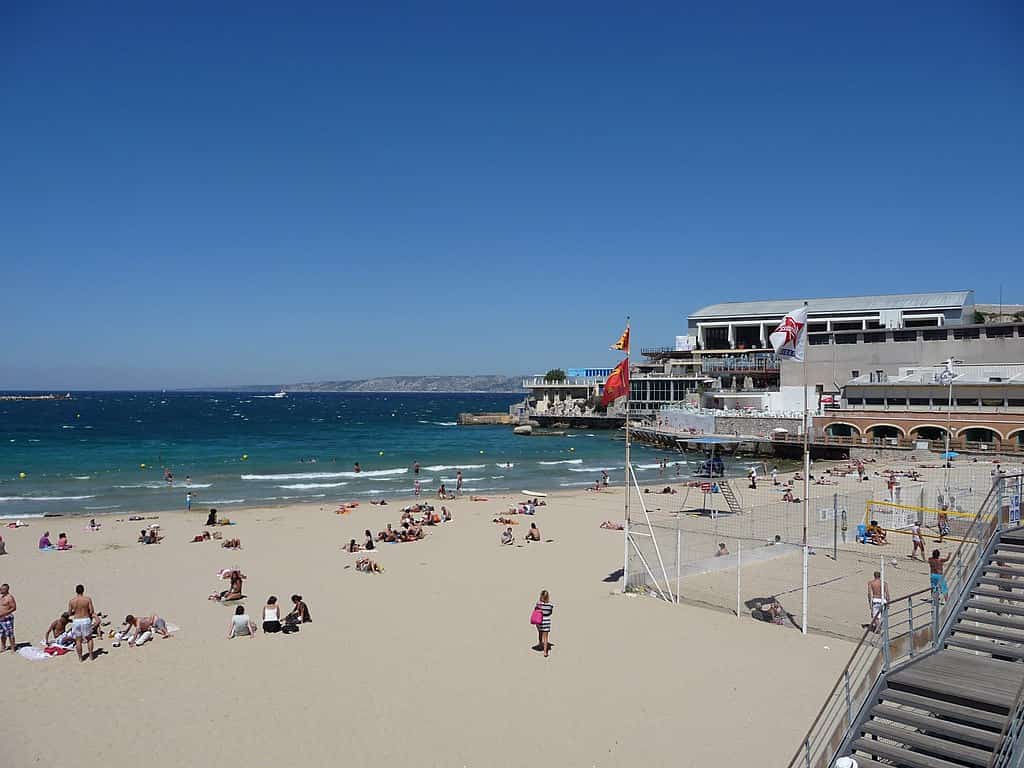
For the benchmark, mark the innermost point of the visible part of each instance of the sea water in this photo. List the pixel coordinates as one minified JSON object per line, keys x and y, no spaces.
{"x":108,"y":452}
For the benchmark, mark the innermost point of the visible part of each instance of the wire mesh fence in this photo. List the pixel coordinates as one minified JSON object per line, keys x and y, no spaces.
{"x":737,"y":543}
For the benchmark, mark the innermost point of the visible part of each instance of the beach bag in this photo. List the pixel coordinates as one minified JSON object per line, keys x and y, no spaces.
{"x":537,"y":617}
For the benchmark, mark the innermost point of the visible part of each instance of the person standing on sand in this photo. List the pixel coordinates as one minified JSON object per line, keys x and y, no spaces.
{"x":918,"y":540}
{"x":188,"y":501}
{"x":545,"y":608}
{"x":8,"y":605}
{"x":82,"y":615}
{"x":938,"y":581}
{"x":876,"y":599}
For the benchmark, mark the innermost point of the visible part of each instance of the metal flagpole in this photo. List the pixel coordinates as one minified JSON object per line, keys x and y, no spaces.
{"x":807,"y":482}
{"x":629,"y":471}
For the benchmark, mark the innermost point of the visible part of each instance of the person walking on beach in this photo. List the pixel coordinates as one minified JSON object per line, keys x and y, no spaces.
{"x":938,"y":581}
{"x":542,"y":620}
{"x":8,"y":605}
{"x":82,"y":616}
{"x":416,"y":487}
{"x":188,"y":501}
{"x":458,"y":482}
{"x":918,"y":540}
{"x":877,"y":599}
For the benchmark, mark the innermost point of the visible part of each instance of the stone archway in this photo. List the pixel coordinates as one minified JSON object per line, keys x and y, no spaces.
{"x":842,"y":429}
{"x":928,"y":432}
{"x":885,"y":431}
{"x":979,"y":435}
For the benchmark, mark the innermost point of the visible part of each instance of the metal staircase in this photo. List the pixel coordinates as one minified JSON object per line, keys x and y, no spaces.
{"x":942,"y":686}
{"x":729,"y":494}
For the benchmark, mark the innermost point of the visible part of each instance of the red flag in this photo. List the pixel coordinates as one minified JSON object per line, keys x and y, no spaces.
{"x":617,"y":383}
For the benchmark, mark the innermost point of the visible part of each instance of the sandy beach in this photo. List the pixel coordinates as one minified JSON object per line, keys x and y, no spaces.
{"x":428,"y":663}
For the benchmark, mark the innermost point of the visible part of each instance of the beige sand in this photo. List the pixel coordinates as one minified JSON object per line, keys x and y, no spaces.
{"x":429,"y":663}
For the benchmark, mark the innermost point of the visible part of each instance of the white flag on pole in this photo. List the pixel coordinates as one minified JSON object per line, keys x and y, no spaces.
{"x":789,"y":338}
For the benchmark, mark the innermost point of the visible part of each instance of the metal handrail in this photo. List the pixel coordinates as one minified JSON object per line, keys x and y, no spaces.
{"x":818,"y":743}
{"x":1002,"y":755}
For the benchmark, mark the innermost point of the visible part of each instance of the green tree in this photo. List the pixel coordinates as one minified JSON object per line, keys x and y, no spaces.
{"x":555,"y":374}
{"x":979,"y":317}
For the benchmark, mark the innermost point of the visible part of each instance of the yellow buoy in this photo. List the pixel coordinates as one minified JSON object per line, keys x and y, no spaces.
{"x":22,"y":475}
{"x":245,"y":457}
{"x":142,"y":466}
{"x":572,"y":449}
{"x":380,"y":453}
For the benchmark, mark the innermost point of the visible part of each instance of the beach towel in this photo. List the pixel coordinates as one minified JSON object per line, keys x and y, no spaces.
{"x":33,"y":654}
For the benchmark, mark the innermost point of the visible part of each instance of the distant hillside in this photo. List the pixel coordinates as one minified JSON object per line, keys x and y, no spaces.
{"x":415,"y":384}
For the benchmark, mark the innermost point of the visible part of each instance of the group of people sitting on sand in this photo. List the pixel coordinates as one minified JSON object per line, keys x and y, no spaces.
{"x":242,"y":625}
{"x":46,"y":545}
{"x":528,"y":507}
{"x":507,"y":537}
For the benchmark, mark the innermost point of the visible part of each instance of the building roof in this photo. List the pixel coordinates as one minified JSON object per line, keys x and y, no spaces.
{"x":905,"y":301}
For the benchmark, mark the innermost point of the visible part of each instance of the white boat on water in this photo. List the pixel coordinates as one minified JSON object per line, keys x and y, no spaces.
{"x":276,"y":396}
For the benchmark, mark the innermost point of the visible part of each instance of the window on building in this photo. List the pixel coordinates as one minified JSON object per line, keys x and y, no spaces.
{"x":988,"y":402}
{"x":854,"y":401}
{"x":877,"y":337}
{"x":971,"y":402}
{"x":1015,"y":402}
{"x":854,"y":373}
{"x":966,"y":333}
{"x":920,"y":401}
{"x":874,"y":401}
{"x":998,"y":331}
{"x":936,"y":335}
{"x":904,"y":335}
{"x":895,"y":401}
{"x":846,"y":338}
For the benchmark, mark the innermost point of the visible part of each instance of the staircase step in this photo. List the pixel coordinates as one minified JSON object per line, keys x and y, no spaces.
{"x":1008,"y":609}
{"x":1015,"y":572}
{"x":994,"y":634}
{"x":900,"y":756}
{"x":985,"y":646}
{"x":933,"y":725}
{"x":1003,"y":546}
{"x":1000,"y":595}
{"x":944,"y":708}
{"x":930,"y":744}
{"x":1019,"y":559}
{"x":984,"y":617}
{"x":1008,"y":583}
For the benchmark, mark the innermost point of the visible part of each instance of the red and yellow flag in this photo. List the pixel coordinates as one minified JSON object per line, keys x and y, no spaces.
{"x":623,"y":342}
{"x":617,"y":383}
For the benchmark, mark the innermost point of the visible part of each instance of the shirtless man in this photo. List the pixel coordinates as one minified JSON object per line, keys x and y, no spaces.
{"x":938,"y":581}
{"x":7,"y":608}
{"x":876,"y":600}
{"x":58,"y":628}
{"x":82,"y":616}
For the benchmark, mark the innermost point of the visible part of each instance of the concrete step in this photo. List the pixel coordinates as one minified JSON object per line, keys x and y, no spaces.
{"x":934,"y":746}
{"x":994,"y":634}
{"x":899,"y":756}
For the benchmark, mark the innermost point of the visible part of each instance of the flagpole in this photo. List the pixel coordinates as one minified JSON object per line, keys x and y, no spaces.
{"x":628,"y":474}
{"x":807,"y":487}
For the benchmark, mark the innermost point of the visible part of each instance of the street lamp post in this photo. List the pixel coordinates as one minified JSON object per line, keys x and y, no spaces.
{"x":949,"y":375}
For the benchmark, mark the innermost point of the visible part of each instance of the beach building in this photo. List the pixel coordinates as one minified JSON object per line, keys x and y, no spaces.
{"x":982,"y":406}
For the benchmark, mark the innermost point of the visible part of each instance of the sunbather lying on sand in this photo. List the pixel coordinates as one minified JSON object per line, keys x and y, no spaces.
{"x":611,"y":526}
{"x":232,"y":544}
{"x":367,"y":565}
{"x":505,"y":521}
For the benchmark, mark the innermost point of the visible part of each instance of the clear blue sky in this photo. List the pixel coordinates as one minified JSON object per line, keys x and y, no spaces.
{"x":219,"y":193}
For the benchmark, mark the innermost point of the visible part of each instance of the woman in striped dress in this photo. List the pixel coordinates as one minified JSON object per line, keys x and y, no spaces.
{"x":544,"y":628}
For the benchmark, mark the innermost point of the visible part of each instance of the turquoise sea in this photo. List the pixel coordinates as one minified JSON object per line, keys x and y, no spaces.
{"x":104,"y":452}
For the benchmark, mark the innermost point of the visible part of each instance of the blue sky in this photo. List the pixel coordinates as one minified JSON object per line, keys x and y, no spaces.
{"x":208,"y":194}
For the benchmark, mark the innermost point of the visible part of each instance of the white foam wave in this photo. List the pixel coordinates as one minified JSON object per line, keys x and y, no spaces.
{"x":439,"y":423}
{"x":497,"y":477}
{"x":574,"y":484}
{"x":593,"y":469}
{"x":506,"y":465}
{"x":563,"y":461}
{"x":444,"y":467}
{"x":105,"y":506}
{"x":223,"y":501}
{"x":328,"y":475}
{"x":45,"y":498}
{"x":455,"y":479}
{"x":307,"y":486}
{"x":305,"y":496}
{"x":83,"y":477}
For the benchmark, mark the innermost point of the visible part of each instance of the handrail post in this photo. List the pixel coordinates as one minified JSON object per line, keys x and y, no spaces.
{"x":910,"y":623}
{"x":935,"y":616}
{"x":807,"y":751}
{"x":849,"y":699}
{"x":885,"y":636}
